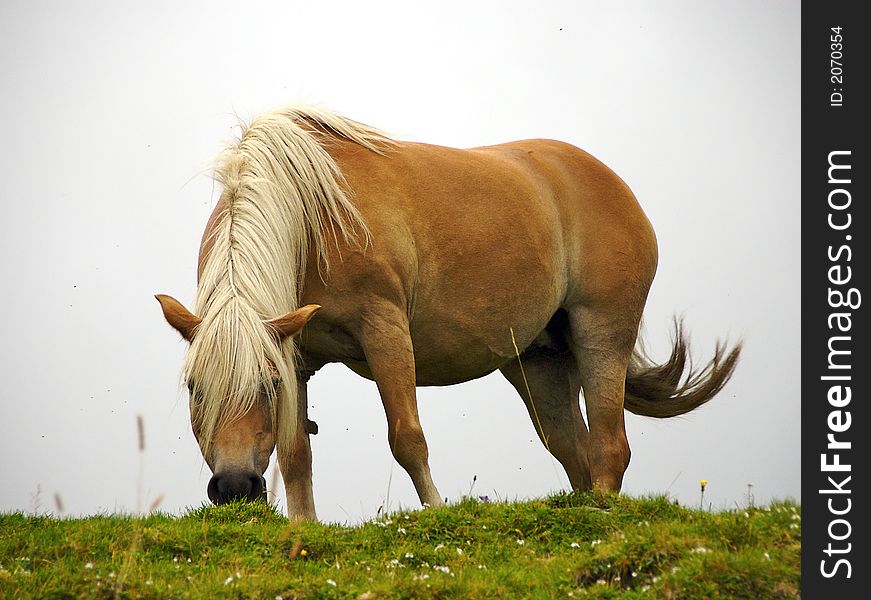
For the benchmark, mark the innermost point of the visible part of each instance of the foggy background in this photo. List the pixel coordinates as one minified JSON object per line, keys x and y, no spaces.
{"x":112,"y":111}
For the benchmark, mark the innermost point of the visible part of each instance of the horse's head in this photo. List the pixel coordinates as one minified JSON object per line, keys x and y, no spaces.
{"x":238,"y":378}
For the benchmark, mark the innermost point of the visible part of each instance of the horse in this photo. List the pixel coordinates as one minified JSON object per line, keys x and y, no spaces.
{"x":420,"y":265}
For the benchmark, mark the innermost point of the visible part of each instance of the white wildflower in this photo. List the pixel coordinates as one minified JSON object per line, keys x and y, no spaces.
{"x":228,"y":580}
{"x":575,"y":545}
{"x":520,"y":542}
{"x":331,"y":582}
{"x":89,"y":565}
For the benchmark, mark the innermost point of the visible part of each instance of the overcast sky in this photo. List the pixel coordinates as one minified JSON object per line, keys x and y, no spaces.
{"x":112,"y":111}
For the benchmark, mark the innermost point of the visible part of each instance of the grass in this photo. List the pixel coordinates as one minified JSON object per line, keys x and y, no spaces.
{"x":568,"y":545}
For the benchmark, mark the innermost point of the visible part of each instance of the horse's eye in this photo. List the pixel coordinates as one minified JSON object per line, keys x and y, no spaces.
{"x":275,"y":382}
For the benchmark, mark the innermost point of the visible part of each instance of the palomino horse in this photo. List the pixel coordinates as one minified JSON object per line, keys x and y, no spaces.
{"x":425,"y":266}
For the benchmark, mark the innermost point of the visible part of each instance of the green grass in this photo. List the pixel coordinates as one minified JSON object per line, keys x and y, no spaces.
{"x":570,"y":545}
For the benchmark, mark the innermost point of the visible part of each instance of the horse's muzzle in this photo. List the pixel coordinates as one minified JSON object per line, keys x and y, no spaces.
{"x":232,"y":485}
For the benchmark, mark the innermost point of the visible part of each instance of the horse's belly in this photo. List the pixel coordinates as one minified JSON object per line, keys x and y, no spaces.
{"x":451,"y":360}
{"x":467,"y":340}
{"x":447,"y":368}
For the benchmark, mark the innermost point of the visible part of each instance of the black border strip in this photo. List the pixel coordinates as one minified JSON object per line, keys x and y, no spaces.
{"x":835,"y":232}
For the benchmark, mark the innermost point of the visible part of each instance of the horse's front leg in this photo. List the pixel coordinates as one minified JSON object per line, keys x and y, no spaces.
{"x":296,"y":465}
{"x":389,"y":354}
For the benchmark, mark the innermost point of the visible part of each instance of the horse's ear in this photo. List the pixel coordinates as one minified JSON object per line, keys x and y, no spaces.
{"x":290,"y":324}
{"x":178,"y":316}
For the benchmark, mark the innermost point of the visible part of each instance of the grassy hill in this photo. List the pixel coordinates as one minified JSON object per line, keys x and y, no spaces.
{"x":572,"y":545}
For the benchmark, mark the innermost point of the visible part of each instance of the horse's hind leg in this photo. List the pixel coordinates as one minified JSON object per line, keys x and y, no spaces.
{"x":602,"y":340}
{"x":552,"y":402}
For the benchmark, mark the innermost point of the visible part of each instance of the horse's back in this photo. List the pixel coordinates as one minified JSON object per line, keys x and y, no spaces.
{"x":544,"y":199}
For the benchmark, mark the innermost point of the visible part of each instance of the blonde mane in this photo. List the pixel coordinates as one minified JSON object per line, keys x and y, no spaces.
{"x":283,"y":194}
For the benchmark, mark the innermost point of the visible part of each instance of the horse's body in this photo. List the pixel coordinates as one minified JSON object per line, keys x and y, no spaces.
{"x":469,"y":243}
{"x":472,"y":256}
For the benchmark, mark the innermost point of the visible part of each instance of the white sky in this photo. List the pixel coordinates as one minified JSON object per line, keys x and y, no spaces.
{"x":112,"y":111}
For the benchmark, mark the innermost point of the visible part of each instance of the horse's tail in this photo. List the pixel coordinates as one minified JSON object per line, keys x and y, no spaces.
{"x":654,"y":390}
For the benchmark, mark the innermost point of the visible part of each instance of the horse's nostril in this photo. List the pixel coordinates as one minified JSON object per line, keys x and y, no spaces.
{"x":224,"y":487}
